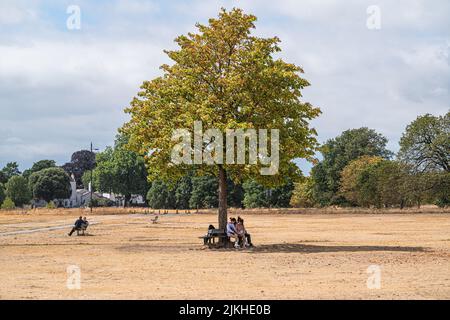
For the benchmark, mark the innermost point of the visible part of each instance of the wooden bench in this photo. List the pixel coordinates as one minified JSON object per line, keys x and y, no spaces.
{"x":213,"y":234}
{"x":155,"y":220}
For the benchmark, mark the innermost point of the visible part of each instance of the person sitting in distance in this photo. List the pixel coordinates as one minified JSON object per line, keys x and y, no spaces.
{"x":232,"y":233}
{"x":77,"y":226}
{"x":85,"y":224}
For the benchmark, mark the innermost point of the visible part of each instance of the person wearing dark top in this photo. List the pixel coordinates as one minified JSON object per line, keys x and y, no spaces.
{"x":77,"y":226}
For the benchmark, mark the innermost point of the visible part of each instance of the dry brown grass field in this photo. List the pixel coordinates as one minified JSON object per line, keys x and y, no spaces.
{"x":298,"y":254}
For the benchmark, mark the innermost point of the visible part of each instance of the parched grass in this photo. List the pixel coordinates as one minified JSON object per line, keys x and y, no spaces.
{"x":296,"y":256}
{"x":231,"y":211}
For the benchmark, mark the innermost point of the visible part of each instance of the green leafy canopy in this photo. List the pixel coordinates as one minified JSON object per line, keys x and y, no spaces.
{"x":226,"y":78}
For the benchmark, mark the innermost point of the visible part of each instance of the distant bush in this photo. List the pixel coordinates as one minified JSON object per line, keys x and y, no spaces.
{"x":8,"y":204}
{"x":443,"y":202}
{"x":50,"y":205}
{"x":17,"y":190}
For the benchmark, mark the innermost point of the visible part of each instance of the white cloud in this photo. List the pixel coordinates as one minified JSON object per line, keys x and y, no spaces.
{"x":59,"y":89}
{"x":136,"y":6}
{"x":15,"y":12}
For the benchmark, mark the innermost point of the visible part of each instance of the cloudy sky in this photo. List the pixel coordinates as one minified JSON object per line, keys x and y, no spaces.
{"x":61,"y":88}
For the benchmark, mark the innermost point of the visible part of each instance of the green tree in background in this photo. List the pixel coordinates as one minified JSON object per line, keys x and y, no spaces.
{"x":428,"y":187}
{"x":281,"y":195}
{"x":441,"y":189}
{"x":17,"y":190}
{"x":349,"y":187}
{"x":337,"y":153}
{"x":425,"y":145}
{"x":160,"y":196}
{"x":191,"y":191}
{"x":302,"y":195}
{"x":391,"y":183}
{"x":227,"y":78}
{"x":10,"y":170}
{"x":8,"y":204}
{"x":382,"y":184}
{"x":368,"y":195}
{"x":235,"y":194}
{"x":103,"y":175}
{"x":320,"y":190}
{"x":3,"y":178}
{"x":183,"y":192}
{"x":204,"y":192}
{"x":255,"y":195}
{"x":38,"y":166}
{"x":129,"y":173}
{"x":120,"y":171}
{"x":2,"y":193}
{"x":50,"y":184}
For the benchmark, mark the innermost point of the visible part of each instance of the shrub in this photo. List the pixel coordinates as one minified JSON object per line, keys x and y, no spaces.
{"x":8,"y":204}
{"x":17,"y":190}
{"x":51,"y":205}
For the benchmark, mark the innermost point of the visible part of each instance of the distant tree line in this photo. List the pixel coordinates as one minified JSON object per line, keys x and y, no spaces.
{"x":195,"y":192}
{"x":356,"y":169}
{"x":43,"y":181}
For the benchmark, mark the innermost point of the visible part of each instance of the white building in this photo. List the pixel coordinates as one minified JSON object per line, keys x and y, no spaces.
{"x":81,"y":198}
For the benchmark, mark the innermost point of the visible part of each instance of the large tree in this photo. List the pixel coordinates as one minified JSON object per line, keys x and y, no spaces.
{"x":204,"y":192}
{"x":302,"y":195}
{"x":3,"y":178}
{"x":392,"y":183}
{"x":350,"y":176}
{"x":257,"y":195}
{"x":38,"y":166}
{"x":17,"y":190}
{"x":119,"y":170}
{"x":10,"y":170}
{"x":425,"y":145}
{"x":337,"y":153}
{"x":81,"y":161}
{"x":226,"y":78}
{"x":428,"y":187}
{"x":183,"y":192}
{"x":50,"y":184}
{"x":161,"y":196}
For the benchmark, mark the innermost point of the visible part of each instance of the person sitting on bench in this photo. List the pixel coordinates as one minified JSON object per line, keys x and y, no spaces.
{"x":240,"y":230}
{"x":232,"y":232}
{"x":247,"y":240}
{"x":85,"y":224}
{"x":77,"y":226}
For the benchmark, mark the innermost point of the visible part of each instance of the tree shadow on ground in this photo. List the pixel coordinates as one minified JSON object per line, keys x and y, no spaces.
{"x":307,"y":248}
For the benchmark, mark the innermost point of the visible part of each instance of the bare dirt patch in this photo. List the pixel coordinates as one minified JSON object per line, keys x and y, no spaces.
{"x":297,"y":256}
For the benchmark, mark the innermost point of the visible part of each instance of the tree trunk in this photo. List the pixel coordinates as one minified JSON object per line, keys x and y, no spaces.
{"x":222,"y":198}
